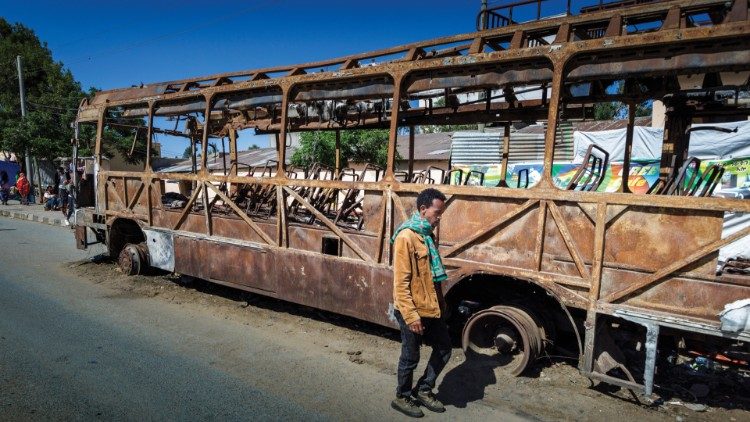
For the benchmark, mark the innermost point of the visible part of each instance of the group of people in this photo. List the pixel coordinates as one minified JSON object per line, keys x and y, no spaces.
{"x":21,"y":187}
{"x":60,"y":198}
{"x":56,"y":198}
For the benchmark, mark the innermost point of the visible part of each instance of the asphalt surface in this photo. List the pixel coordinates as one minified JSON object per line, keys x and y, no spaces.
{"x":73,"y":350}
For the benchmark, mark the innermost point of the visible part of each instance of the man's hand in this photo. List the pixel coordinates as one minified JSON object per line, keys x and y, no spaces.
{"x":416,"y":327}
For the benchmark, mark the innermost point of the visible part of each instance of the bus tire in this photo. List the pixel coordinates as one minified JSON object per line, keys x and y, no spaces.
{"x":133,"y":259}
{"x":504,"y":338}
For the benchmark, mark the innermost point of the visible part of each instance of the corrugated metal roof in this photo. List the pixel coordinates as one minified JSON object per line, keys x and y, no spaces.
{"x":476,"y":148}
{"x":486,"y":147}
{"x":427,"y":146}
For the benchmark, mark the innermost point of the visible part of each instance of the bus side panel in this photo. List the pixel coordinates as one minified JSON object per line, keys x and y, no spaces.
{"x":343,"y":286}
{"x":511,"y":244}
{"x":652,"y":238}
{"x":643,"y":241}
{"x":679,"y":295}
{"x":210,"y":260}
{"x":338,"y":285}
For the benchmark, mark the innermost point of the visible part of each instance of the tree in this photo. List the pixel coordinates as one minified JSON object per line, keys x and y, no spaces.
{"x":52,"y":100}
{"x":253,"y":147}
{"x":359,"y":146}
{"x":52,"y":96}
{"x":123,"y":135}
{"x":606,"y":111}
{"x":615,"y":110}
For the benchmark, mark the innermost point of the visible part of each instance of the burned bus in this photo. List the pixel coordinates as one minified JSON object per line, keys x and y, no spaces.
{"x":613,"y":275}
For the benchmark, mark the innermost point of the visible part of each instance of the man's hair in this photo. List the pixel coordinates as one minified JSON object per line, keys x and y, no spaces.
{"x":427,"y":196}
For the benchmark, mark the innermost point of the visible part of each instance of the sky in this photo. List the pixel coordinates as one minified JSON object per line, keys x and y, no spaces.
{"x":109,"y":44}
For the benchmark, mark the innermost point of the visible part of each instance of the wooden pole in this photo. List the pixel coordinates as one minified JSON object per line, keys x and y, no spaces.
{"x":624,"y":188}
{"x":411,"y":151}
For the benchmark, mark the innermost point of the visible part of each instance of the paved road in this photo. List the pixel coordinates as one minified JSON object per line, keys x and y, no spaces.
{"x":73,"y":350}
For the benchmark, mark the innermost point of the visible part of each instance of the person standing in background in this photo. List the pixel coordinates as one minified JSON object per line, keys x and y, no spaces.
{"x":4,"y":187}
{"x":24,"y":188}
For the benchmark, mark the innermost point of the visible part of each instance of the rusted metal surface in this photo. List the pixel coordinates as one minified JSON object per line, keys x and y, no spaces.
{"x":324,"y":241}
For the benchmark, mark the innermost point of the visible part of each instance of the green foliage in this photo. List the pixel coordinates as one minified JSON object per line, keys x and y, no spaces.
{"x":253,"y":147}
{"x":52,"y":96}
{"x":358,"y":146}
{"x":120,"y":136}
{"x":606,"y":111}
{"x":615,"y":110}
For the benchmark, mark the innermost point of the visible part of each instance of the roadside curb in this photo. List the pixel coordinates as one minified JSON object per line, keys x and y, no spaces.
{"x":33,"y":217}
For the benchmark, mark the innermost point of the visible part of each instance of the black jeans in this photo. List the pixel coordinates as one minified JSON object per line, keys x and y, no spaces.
{"x":436,"y":335}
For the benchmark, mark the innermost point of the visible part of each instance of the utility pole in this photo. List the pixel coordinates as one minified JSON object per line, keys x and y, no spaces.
{"x":23,"y":115}
{"x":74,"y":191}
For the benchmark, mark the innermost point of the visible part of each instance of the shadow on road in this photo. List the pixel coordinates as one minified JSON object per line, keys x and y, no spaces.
{"x":465,"y":384}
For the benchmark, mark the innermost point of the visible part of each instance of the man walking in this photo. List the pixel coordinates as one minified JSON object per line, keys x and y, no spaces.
{"x":417,"y":297}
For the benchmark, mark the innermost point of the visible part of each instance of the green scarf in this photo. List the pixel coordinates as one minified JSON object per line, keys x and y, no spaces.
{"x":422,"y":227}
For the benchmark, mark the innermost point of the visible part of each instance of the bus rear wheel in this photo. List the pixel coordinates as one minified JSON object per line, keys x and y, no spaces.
{"x":133,"y":259}
{"x":506,"y":338}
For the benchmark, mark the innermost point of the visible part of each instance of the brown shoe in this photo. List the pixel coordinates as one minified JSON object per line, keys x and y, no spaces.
{"x":407,"y":406}
{"x":428,"y":400}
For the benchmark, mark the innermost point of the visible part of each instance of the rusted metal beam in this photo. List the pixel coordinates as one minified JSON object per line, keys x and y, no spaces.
{"x":393,"y":134}
{"x":624,"y":187}
{"x":600,"y":230}
{"x":568,"y":239}
{"x":410,"y":172}
{"x":137,"y":196}
{"x":188,"y":207}
{"x":539,"y":240}
{"x":384,"y":205}
{"x":110,"y":187}
{"x":399,"y":206}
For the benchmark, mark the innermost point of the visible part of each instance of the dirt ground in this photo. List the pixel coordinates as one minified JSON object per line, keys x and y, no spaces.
{"x":554,"y":391}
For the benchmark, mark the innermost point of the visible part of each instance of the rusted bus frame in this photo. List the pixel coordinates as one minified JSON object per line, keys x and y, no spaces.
{"x":674,"y":36}
{"x":559,"y":57}
{"x":415,"y":51}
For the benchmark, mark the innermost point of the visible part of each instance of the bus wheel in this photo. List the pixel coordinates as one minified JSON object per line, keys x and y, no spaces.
{"x":133,"y":259}
{"x":503,"y":337}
